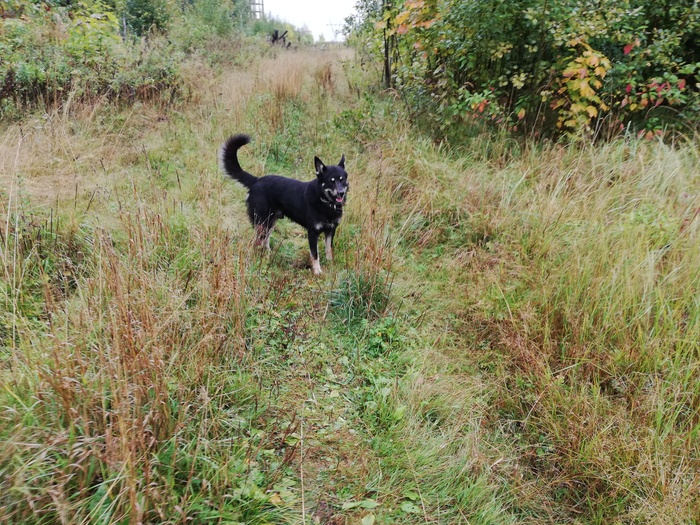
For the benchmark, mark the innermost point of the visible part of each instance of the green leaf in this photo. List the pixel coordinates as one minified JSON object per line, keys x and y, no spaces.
{"x":368,"y":504}
{"x":409,"y":494}
{"x":410,"y":508}
{"x":399,"y":413}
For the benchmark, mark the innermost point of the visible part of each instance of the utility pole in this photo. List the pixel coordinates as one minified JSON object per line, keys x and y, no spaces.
{"x":335,"y":28}
{"x":256,"y":6}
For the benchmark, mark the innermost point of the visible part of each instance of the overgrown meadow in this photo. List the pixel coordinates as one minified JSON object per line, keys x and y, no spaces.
{"x":509,"y":333}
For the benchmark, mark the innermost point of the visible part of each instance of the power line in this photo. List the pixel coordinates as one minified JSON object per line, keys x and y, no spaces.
{"x":335,"y":31}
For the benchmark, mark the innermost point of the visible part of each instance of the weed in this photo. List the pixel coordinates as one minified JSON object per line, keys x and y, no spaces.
{"x":324,"y":77}
{"x":384,"y":337}
{"x":359,"y":296}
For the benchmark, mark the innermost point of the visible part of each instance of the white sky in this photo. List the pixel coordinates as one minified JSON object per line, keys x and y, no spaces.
{"x":314,"y":14}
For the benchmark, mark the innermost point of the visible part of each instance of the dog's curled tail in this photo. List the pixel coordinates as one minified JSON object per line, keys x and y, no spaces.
{"x":228,"y":157}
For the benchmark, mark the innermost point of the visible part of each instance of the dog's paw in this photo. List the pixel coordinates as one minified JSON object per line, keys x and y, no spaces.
{"x":316,"y":267}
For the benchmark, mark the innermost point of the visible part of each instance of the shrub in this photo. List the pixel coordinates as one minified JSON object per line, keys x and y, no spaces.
{"x":143,"y":16}
{"x":538,"y":65}
{"x":49,"y":55}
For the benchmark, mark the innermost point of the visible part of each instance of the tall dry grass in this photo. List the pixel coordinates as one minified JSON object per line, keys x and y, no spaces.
{"x":110,"y":364}
{"x":567,"y":277}
{"x":128,"y":385}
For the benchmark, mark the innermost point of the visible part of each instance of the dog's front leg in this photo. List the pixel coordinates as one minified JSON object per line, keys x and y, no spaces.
{"x":329,"y":234}
{"x":313,"y":251}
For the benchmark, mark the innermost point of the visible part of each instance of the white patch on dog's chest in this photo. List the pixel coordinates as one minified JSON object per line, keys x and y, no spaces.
{"x":327,"y":225}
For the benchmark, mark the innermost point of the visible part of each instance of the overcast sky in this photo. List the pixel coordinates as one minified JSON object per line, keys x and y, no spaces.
{"x":314,"y":14}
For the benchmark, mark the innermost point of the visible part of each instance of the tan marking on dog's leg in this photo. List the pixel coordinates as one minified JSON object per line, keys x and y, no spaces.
{"x":262,"y":236}
{"x":315,"y":265}
{"x":329,"y":248}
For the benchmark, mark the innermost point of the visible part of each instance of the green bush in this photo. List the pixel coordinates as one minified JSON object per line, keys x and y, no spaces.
{"x":51,"y":54}
{"x":540,"y":66}
{"x":201,"y":22}
{"x":143,"y":16}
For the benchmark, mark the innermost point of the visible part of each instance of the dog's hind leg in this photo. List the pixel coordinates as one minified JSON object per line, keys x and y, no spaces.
{"x":263,"y":224}
{"x":262,"y":236}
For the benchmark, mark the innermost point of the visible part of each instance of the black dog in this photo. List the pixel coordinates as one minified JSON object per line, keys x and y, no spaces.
{"x":316,"y":205}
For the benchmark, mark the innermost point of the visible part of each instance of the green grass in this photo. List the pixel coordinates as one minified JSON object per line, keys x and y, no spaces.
{"x":509,"y":333}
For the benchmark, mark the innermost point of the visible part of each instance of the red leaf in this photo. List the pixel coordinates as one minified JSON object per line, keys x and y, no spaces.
{"x":628,"y":48}
{"x":681,"y":83}
{"x":628,"y":88}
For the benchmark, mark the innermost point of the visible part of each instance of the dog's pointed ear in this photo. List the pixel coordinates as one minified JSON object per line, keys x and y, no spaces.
{"x":342,"y":161}
{"x":320,"y":166}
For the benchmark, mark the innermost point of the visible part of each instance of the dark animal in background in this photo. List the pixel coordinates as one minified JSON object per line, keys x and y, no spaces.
{"x":316,"y":205}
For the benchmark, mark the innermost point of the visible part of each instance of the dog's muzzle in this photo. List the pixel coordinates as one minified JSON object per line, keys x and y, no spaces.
{"x":335,"y":196}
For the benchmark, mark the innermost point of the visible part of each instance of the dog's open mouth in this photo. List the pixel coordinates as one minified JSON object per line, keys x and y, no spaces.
{"x":334,"y":197}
